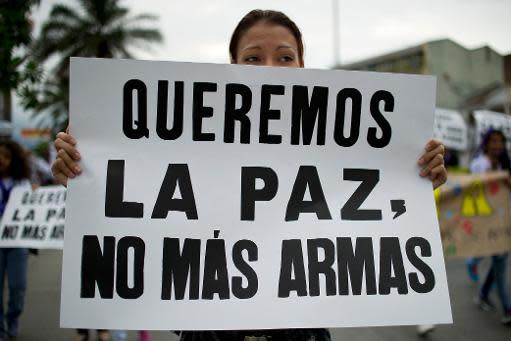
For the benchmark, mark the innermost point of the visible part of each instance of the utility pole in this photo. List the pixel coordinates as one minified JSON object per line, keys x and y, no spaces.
{"x":336,"y":27}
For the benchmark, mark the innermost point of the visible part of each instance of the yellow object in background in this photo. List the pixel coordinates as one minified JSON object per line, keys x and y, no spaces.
{"x":436,"y":193}
{"x":475,"y":202}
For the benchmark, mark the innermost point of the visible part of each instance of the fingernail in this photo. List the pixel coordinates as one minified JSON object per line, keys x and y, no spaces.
{"x":421,"y":161}
{"x":77,"y":169}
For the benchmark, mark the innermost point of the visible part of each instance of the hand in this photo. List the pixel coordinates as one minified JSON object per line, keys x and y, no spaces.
{"x":432,"y":163}
{"x":65,"y":165}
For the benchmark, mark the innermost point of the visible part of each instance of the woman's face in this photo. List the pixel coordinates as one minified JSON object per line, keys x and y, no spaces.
{"x":495,"y":145}
{"x":5,"y":160}
{"x":268,"y":45}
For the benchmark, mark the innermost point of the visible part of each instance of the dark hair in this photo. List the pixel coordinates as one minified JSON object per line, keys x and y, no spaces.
{"x":19,"y":168}
{"x":268,"y":16}
{"x":504,"y":161}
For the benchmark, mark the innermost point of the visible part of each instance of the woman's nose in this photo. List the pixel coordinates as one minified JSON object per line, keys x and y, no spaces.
{"x":268,"y":62}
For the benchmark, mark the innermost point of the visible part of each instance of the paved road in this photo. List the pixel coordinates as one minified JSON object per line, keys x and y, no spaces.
{"x":40,"y":320}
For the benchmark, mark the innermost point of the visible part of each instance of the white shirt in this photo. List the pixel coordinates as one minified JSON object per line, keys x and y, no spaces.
{"x":481,"y":164}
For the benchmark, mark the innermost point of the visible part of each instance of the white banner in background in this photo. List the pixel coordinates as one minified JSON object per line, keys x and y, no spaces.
{"x":451,"y":129}
{"x":34,"y":219}
{"x":242,"y":197}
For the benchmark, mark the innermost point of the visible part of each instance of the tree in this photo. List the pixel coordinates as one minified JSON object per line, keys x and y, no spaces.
{"x":96,"y":28}
{"x":15,"y":33}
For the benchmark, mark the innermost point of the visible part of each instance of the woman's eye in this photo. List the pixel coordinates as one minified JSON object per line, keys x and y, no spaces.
{"x":251,"y":59}
{"x":287,"y":59}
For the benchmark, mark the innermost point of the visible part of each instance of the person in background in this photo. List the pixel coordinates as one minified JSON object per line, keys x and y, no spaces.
{"x":261,"y":38}
{"x":14,"y":172}
{"x":492,"y":156}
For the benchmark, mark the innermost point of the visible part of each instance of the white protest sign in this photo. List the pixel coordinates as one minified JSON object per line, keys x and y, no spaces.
{"x":485,"y":119}
{"x":242,"y":197}
{"x":34,"y":219}
{"x":451,"y":129}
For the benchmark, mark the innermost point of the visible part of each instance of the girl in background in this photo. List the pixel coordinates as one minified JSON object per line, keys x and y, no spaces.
{"x":14,"y":171}
{"x":493,"y":156}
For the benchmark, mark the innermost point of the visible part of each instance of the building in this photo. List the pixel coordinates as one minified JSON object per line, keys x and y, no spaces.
{"x":507,"y":69}
{"x":468,"y":79}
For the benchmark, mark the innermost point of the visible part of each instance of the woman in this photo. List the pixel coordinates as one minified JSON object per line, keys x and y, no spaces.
{"x":14,"y":172}
{"x":267,"y":38}
{"x":493,"y":156}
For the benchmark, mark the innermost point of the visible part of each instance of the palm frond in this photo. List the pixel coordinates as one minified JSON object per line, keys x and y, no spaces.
{"x":118,"y":13}
{"x":146,"y":34}
{"x":143,"y":17}
{"x":65,"y":13}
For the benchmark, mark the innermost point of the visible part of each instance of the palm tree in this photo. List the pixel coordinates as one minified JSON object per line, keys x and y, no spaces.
{"x":103,"y":28}
{"x":96,"y":28}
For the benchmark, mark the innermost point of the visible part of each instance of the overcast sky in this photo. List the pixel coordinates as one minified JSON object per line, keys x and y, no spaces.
{"x":199,"y":30}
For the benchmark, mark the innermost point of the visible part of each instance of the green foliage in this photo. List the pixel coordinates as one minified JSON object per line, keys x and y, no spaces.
{"x":15,"y":30}
{"x":92,"y":28}
{"x":15,"y":33}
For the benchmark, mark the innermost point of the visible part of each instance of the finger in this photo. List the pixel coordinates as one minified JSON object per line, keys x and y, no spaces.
{"x":61,"y":144}
{"x":429,"y":153}
{"x":60,"y":167}
{"x":73,"y":166}
{"x":426,"y":157}
{"x":61,"y":179}
{"x":432,"y":144}
{"x":439,"y":182}
{"x":438,"y":171}
{"x":67,"y":138}
{"x":438,"y":176}
{"x":437,"y":160}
